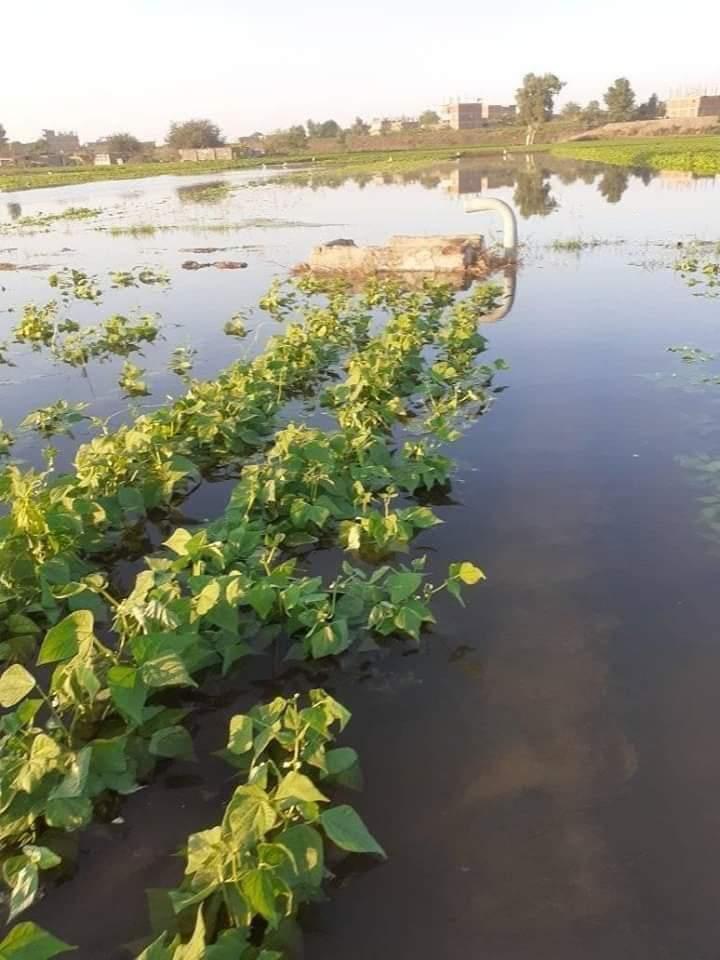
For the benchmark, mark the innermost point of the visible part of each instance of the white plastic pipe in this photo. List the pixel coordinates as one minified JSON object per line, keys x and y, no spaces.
{"x":482,"y":204}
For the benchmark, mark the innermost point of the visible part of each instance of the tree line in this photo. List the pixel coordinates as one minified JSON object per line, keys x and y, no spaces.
{"x":535,"y":102}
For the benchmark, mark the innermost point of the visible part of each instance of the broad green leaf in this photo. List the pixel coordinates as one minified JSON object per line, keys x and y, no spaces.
{"x":296,"y":786}
{"x":347,"y":831}
{"x":157,"y":950}
{"x":330,"y":640}
{"x":343,"y":764}
{"x":42,"y":857}
{"x":304,"y":846}
{"x":15,"y":684}
{"x":409,"y":621}
{"x":20,"y":625}
{"x":257,"y":886}
{"x":403,"y":585}
{"x":128,"y":692}
{"x":68,"y":813}
{"x":27,"y":941}
{"x":44,"y":758}
{"x":24,"y":890}
{"x":230,"y":945}
{"x":171,"y":742}
{"x":73,"y":783}
{"x":241,"y":734}
{"x":64,"y":639}
{"x":130,"y":498}
{"x":203,"y":848}
{"x":250,"y":814}
{"x":261,"y":598}
{"x":194,"y":949}
{"x":168,"y":670}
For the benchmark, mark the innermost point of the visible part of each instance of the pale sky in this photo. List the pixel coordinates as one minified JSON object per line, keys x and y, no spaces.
{"x":97,"y":67}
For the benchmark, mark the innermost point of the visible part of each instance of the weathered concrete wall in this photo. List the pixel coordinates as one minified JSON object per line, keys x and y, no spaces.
{"x":401,"y":255}
{"x":698,"y":106}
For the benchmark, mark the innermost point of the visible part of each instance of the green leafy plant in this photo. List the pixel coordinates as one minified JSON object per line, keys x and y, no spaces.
{"x":235,"y":326}
{"x":181,"y":361}
{"x":75,"y":284}
{"x":131,"y":382}
{"x":267,"y":856}
{"x":58,"y":417}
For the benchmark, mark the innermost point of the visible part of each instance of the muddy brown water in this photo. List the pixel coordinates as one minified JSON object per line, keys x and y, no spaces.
{"x":543,"y":771}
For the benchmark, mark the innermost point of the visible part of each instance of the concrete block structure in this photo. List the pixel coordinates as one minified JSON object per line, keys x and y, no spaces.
{"x":697,"y":106}
{"x":454,"y":259}
{"x":206,"y":153}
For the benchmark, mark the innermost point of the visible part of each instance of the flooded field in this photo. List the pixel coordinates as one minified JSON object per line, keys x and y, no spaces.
{"x":541,"y":769}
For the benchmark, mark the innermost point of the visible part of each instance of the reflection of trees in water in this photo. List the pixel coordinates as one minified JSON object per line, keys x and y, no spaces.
{"x":532,"y":195}
{"x":474,"y":175}
{"x":613,"y":184}
{"x":14,"y":211}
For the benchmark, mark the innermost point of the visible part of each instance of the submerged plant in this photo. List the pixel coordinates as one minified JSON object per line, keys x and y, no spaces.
{"x":267,"y":856}
{"x":138,"y":276}
{"x":58,"y":417}
{"x":131,"y":382}
{"x":75,"y":284}
{"x":235,"y":326}
{"x":6,"y":440}
{"x":181,"y":361}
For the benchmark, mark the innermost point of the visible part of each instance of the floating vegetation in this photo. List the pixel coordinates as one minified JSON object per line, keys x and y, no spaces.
{"x":93,"y":728}
{"x":213,"y":191}
{"x":44,"y":220}
{"x":131,"y":382}
{"x":235,"y":326}
{"x":68,"y":342}
{"x":182,"y":360}
{"x":145,"y":276}
{"x":37,"y":325}
{"x":75,"y":284}
{"x":6,"y":440}
{"x":139,"y":230}
{"x":58,"y":417}
{"x":218,"y":264}
{"x":692,"y":354}
{"x":578,"y":244}
{"x":698,"y":271}
{"x":149,"y":229}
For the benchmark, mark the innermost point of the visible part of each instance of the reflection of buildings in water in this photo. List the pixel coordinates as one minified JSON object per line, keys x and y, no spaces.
{"x":477,"y":180}
{"x":684,"y":179}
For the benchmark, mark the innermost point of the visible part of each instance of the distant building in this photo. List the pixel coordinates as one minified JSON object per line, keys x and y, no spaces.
{"x":472,"y":114}
{"x":108,"y":160}
{"x":206,"y":153}
{"x":61,"y":144}
{"x":7,"y":161}
{"x":679,"y":108}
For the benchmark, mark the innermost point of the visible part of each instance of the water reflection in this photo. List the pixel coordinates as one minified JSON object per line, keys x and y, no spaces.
{"x":613,"y":184}
{"x":529,"y":175}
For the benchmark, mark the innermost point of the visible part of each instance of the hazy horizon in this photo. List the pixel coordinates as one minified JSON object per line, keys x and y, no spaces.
{"x":97,"y":70}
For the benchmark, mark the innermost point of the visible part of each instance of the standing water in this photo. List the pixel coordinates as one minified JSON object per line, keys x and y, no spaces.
{"x":542,"y":769}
